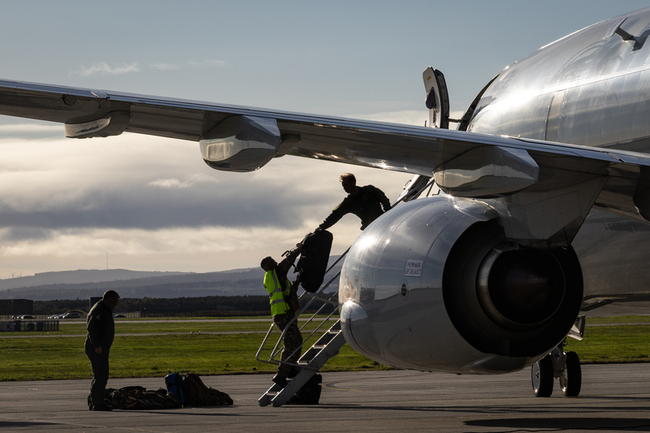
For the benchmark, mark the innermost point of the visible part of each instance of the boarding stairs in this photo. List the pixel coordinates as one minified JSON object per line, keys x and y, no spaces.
{"x":327,"y":345}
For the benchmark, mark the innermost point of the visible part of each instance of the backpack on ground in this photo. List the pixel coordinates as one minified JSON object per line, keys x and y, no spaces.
{"x":310,"y":392}
{"x":197,"y":394}
{"x":138,"y":398}
{"x":174,"y":383}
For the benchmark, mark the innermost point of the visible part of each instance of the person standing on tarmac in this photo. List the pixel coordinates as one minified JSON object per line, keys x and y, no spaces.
{"x":366,"y":202}
{"x":284,"y":304}
{"x":99,"y":339}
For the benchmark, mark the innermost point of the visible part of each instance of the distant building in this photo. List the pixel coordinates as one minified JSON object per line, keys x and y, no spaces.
{"x":12,"y":307}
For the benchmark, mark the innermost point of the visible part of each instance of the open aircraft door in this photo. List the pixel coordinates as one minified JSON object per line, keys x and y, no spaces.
{"x":437,"y":100}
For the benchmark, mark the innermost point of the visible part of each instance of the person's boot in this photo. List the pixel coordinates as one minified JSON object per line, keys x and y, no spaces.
{"x":280,"y":380}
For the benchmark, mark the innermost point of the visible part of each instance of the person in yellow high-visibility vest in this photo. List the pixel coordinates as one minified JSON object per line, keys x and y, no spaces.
{"x":284,"y":304}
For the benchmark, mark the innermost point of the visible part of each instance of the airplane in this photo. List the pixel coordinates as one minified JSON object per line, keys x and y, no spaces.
{"x":543,"y":211}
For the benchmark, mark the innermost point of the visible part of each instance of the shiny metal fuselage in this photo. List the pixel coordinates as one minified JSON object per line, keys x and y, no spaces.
{"x":584,"y":89}
{"x":436,"y":285}
{"x":590,"y":89}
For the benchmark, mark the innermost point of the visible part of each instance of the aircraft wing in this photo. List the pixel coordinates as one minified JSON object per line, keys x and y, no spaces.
{"x":464,"y":164}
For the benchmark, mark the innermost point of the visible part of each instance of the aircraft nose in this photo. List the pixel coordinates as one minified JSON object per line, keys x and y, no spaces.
{"x":357,"y":329}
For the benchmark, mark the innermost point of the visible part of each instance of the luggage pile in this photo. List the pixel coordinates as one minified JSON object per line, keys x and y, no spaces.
{"x":182,"y":391}
{"x":138,"y":398}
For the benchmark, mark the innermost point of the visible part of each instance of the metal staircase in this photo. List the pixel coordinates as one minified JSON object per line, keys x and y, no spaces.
{"x":324,"y":348}
{"x":327,"y":345}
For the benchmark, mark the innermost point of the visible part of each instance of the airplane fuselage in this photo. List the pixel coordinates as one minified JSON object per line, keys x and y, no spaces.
{"x":440,"y":284}
{"x":590,"y":88}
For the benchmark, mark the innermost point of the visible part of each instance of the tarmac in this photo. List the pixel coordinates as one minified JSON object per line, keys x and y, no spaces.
{"x":614,"y":397}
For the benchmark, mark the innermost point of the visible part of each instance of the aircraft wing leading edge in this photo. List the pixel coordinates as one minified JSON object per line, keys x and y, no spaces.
{"x":453,"y":156}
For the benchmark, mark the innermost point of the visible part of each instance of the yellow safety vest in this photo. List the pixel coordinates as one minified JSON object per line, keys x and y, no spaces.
{"x":276,"y":293}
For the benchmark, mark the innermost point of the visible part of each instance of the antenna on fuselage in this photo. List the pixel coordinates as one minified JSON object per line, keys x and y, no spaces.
{"x":616,"y":29}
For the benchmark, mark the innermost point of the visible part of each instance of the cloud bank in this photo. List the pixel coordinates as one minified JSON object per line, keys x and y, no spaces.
{"x":153,"y":204}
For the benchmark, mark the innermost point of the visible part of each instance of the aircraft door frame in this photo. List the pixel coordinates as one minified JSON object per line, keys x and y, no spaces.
{"x":437,"y":99}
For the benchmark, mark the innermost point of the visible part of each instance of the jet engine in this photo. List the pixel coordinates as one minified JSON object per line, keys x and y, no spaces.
{"x":434,"y":285}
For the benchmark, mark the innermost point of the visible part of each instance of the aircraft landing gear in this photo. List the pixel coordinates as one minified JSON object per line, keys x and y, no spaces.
{"x":560,"y":364}
{"x":542,"y":377}
{"x":571,"y":375}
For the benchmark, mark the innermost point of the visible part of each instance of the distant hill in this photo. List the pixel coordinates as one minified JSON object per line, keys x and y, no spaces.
{"x":83,"y":284}
{"x":78,"y":277}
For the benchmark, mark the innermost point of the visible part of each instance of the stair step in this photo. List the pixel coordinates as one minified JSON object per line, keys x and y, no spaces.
{"x":311,"y":361}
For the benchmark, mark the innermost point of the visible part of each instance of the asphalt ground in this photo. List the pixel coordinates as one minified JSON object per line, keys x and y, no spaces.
{"x":614,"y":397}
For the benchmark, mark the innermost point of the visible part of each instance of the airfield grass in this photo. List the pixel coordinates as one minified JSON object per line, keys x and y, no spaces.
{"x":188,"y":347}
{"x":191,"y":349}
{"x":629,"y":342}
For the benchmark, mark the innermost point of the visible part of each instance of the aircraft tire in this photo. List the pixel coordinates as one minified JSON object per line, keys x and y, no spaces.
{"x":542,"y":377}
{"x":571,"y":377}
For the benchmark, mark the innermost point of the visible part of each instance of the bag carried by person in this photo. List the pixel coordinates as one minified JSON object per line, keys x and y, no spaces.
{"x":314,"y":256}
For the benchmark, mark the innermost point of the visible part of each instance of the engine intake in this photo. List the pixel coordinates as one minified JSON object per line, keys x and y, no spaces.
{"x":520,"y":289}
{"x":509,"y":300}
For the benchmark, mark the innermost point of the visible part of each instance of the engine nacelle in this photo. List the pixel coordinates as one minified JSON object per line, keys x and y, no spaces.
{"x":434,"y":285}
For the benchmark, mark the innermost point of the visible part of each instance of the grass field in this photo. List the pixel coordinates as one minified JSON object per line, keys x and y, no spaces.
{"x":185,"y":347}
{"x":190,"y":346}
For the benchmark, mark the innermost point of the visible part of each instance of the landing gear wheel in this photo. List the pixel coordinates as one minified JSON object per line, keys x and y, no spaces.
{"x":542,"y":377}
{"x":571,"y":377}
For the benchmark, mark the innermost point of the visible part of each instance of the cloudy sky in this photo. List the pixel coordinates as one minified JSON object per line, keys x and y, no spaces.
{"x":147,"y":203}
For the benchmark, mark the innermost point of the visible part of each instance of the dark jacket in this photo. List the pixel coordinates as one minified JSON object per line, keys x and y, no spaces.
{"x":100,"y":326}
{"x":368,"y":205}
